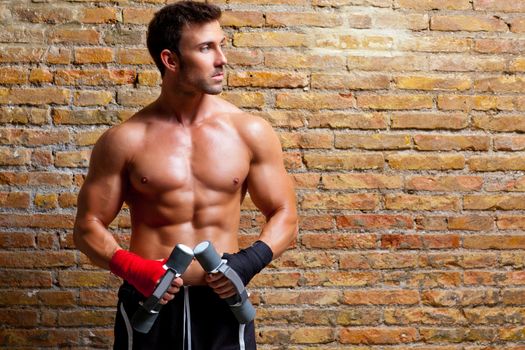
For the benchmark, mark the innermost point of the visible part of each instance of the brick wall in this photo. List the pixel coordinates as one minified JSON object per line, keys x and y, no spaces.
{"x":402,"y":124}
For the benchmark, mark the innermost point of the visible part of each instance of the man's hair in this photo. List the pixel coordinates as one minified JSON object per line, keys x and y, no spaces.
{"x":165,"y":29}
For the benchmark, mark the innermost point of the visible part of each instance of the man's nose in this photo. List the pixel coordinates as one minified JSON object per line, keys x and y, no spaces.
{"x":220,"y":60}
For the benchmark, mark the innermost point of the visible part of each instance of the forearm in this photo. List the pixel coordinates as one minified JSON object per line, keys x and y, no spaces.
{"x":95,"y":241}
{"x":280,"y":230}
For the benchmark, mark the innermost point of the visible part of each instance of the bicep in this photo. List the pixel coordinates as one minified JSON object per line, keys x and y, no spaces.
{"x":102,"y":193}
{"x":269,"y":185}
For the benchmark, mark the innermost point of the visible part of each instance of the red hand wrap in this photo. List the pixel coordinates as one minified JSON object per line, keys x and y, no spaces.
{"x":142,"y":273}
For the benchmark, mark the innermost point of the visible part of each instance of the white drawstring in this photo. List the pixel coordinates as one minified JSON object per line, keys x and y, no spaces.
{"x":187,"y":319}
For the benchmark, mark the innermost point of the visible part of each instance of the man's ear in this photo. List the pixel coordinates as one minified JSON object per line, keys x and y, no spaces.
{"x":170,"y":60}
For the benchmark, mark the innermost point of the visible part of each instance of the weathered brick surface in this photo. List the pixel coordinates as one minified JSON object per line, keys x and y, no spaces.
{"x":402,"y":126}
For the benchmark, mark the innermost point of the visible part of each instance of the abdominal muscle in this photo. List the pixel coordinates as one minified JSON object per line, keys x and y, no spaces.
{"x":219,"y":225}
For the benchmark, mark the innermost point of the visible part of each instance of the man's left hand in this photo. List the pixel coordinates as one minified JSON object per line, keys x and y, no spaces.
{"x":221,"y":285}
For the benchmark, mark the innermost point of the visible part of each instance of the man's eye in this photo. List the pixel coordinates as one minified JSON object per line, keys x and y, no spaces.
{"x":205,"y":48}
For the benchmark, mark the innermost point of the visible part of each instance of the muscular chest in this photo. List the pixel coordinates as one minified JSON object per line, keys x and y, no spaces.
{"x":206,"y":158}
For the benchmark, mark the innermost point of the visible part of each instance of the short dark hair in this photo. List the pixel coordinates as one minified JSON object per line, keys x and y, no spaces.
{"x":165,"y":29}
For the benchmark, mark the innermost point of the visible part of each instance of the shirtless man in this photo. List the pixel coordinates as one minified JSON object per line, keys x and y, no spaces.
{"x":183,"y":165}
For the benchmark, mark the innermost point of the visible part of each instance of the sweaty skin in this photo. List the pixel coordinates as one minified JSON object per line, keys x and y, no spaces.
{"x":183,"y":166}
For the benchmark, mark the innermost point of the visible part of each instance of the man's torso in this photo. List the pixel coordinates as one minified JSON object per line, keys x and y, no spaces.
{"x":185,"y":184}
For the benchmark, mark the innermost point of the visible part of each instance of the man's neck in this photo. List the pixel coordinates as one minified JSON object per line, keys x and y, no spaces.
{"x":186,"y":108}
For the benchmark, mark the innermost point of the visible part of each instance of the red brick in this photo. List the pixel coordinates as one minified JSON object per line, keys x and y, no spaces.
{"x":86,"y":318}
{"x":314,"y":101}
{"x":435,"y":44}
{"x":341,"y":279}
{"x":509,"y":143}
{"x":510,"y":222}
{"x":244,"y":57}
{"x":308,"y":297}
{"x":306,"y":180}
{"x":429,"y":121}
{"x":95,"y":77}
{"x":468,"y":23}
{"x":313,"y":19}
{"x":431,"y":223}
{"x":451,"y":142}
{"x":444,"y":183}
{"x":344,"y":161}
{"x":455,"y":63}
{"x":421,"y":202}
{"x":138,"y":15}
{"x":493,"y":202}
{"x":460,"y":297}
{"x":384,"y":335}
{"x":335,"y":120}
{"x":424,"y":315}
{"x":374,"y":222}
{"x":361,"y":181}
{"x":40,"y":337}
{"x":358,"y":317}
{"x":410,"y":161}
{"x":435,"y":279}
{"x":309,"y":140}
{"x":467,"y":103}
{"x":14,"y":199}
{"x":35,"y":259}
{"x":433,"y":4}
{"x":305,"y":61}
{"x":99,"y":15}
{"x":276,"y":280}
{"x":401,"y":241}
{"x":494,"y":242}
{"x":267,"y":79}
{"x":471,"y":223}
{"x":93,"y":55}
{"x":352,"y":81}
{"x":339,"y":241}
{"x":74,"y":36}
{"x":496,"y":163}
{"x":394,"y":102}
{"x":303,"y":260}
{"x":372,"y":142}
{"x":433,"y":83}
{"x":381,"y":297}
{"x":444,"y":241}
{"x":500,"y":6}
{"x":513,"y":297}
{"x":269,"y":39}
{"x":500,"y":84}
{"x":340,"y":201}
{"x":500,"y":122}
{"x":498,"y":46}
{"x":316,"y":222}
{"x":389,"y":63}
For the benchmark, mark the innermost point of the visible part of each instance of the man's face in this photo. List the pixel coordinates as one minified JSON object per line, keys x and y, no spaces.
{"x":202,"y":61}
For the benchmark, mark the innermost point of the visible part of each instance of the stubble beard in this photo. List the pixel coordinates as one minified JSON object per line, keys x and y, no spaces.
{"x":212,"y":89}
{"x":204,"y":84}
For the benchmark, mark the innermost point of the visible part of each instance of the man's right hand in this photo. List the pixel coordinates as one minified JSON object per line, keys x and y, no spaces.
{"x":143,"y":274}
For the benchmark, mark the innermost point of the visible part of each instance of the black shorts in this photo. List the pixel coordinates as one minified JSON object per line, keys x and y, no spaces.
{"x":196,"y":319}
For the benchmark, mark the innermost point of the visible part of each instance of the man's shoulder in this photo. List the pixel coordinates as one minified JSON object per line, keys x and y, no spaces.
{"x":122,"y":138}
{"x":250,"y":126}
{"x":247,"y":124}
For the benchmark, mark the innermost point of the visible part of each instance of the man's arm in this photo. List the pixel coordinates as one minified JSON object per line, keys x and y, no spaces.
{"x":271,"y":190}
{"x":270,"y":187}
{"x":100,"y":200}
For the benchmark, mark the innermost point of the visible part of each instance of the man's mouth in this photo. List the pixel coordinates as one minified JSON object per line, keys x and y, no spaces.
{"x":218,"y":76}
